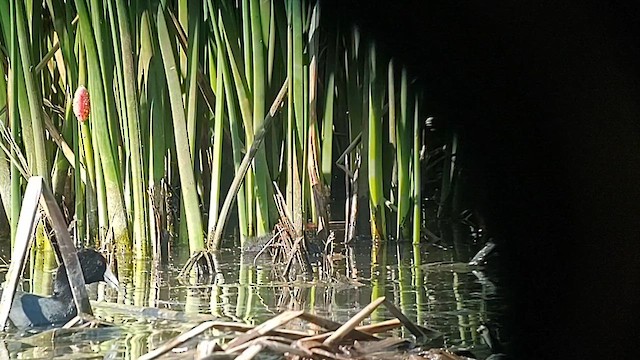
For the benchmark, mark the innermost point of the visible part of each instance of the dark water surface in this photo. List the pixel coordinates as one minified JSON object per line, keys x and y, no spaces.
{"x":450,"y":298}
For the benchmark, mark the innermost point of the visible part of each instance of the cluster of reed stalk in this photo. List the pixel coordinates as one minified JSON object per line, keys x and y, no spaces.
{"x":178,"y":91}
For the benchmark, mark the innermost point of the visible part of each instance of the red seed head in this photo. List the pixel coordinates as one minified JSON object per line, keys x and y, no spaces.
{"x":81,"y":104}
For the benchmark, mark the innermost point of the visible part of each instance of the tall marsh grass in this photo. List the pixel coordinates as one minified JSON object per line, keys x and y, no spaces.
{"x":178,"y":91}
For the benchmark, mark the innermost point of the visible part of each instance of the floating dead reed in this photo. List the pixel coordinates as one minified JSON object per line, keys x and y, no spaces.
{"x":334,"y":341}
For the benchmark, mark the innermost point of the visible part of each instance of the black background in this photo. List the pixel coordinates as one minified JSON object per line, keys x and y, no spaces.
{"x":548,"y":99}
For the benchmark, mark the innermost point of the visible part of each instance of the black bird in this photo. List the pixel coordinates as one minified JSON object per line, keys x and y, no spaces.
{"x":30,"y":310}
{"x":489,"y":337}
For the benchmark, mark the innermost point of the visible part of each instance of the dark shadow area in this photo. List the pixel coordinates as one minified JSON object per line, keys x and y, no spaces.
{"x":547,"y":97}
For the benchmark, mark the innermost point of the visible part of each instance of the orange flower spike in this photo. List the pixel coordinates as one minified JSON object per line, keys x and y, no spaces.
{"x":81,"y":104}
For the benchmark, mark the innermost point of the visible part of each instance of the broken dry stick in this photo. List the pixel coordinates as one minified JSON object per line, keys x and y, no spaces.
{"x":413,"y":328}
{"x":178,"y":340}
{"x":353,"y":322}
{"x":332,"y":326}
{"x":251,"y":352}
{"x":264,"y":328}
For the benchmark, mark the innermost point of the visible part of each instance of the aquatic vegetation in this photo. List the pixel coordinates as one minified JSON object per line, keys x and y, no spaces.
{"x":161,"y":126}
{"x":171,"y":96}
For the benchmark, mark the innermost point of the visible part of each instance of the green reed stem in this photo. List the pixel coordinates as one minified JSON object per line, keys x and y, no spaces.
{"x":193,"y":59}
{"x":5,"y":166}
{"x":216,"y":167}
{"x":109,"y":164}
{"x":327,"y":130}
{"x":185,"y":162}
{"x":33,"y":95}
{"x":376,"y":194}
{"x":262,"y":178}
{"x":129,"y":79}
{"x":403,"y":159}
{"x":247,"y":119}
{"x":417,"y":183}
{"x":234,"y":122}
{"x":14,"y":121}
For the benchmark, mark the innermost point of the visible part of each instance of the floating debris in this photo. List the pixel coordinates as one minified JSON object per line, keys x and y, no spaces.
{"x":335,"y":341}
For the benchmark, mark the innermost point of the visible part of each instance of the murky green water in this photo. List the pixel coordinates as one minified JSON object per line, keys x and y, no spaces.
{"x":452,"y":299}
